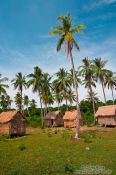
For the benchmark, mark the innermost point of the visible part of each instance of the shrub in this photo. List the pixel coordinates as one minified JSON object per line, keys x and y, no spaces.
{"x":88,"y":136}
{"x":69,"y":168}
{"x":22,"y":147}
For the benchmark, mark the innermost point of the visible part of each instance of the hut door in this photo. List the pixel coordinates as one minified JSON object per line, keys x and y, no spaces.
{"x":14,"y":128}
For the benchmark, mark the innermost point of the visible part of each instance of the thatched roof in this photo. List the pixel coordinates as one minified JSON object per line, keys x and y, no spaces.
{"x":7,"y":116}
{"x":52,"y":115}
{"x":70,"y":115}
{"x":106,"y":111}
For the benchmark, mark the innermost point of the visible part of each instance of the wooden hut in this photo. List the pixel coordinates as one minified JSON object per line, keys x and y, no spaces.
{"x":12,"y":123}
{"x":70,"y":119}
{"x":106,"y":115}
{"x":53,"y":119}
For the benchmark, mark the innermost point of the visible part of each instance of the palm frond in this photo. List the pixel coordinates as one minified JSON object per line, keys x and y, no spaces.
{"x":57,"y":27}
{"x":79,"y":28}
{"x":75,"y":44}
{"x":59,"y":44}
{"x":56,"y":32}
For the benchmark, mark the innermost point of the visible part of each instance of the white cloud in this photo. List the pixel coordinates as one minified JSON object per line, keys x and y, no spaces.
{"x":97,"y":4}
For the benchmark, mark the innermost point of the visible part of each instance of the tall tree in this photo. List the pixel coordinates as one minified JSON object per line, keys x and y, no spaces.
{"x":63,"y":83}
{"x":18,"y":101}
{"x":71,"y":97}
{"x":100,"y":71}
{"x":95,"y":97}
{"x":46,"y":91}
{"x":66,"y":36}
{"x":87,"y":72}
{"x":58,"y":95}
{"x":110,"y":82}
{"x":19,"y":83}
{"x":35,"y":80}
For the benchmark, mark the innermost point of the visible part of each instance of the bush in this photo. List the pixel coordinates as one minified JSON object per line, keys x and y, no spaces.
{"x":88,"y":136}
{"x":22,"y":147}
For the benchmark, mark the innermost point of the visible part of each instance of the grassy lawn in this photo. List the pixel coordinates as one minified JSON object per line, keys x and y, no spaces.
{"x":53,"y":152}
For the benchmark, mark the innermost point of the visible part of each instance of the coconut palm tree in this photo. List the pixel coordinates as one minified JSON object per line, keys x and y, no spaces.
{"x":18,"y":101}
{"x":19,"y":83}
{"x":110,"y":82}
{"x":58,"y":95}
{"x":59,"y":98}
{"x":63,"y":83}
{"x":100,"y":71}
{"x":66,"y":37}
{"x":95,"y":97}
{"x":71,"y":97}
{"x":46,"y":91}
{"x":35,"y":80}
{"x":78,"y":80}
{"x":2,"y":85}
{"x":87,"y":72}
{"x":50,"y":100}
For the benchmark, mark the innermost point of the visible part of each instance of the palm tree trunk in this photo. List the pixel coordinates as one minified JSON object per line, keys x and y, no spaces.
{"x":77,"y":135}
{"x":42,"y":118}
{"x":66,"y":105}
{"x":112,"y":95}
{"x":58,"y":106}
{"x":93,"y":102}
{"x":104,"y":92}
{"x":21,"y":99}
{"x":46,"y":108}
{"x":77,"y":93}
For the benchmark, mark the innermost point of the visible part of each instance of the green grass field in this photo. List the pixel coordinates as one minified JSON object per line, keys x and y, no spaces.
{"x":53,"y":152}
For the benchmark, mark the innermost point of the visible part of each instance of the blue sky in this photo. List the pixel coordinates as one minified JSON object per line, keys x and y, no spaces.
{"x":25,"y":40}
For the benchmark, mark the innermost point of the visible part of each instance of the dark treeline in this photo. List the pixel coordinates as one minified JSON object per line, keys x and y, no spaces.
{"x":59,"y":89}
